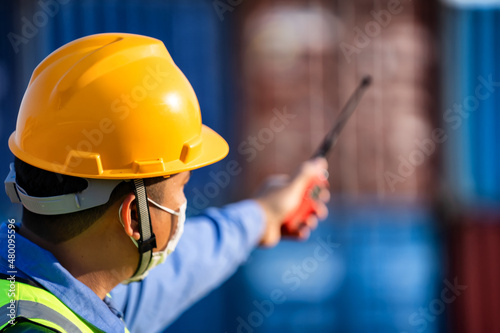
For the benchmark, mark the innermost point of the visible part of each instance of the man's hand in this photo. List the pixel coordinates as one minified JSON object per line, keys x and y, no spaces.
{"x":282,"y":195}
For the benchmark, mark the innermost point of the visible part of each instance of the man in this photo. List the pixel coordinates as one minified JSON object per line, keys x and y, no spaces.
{"x":108,"y":132}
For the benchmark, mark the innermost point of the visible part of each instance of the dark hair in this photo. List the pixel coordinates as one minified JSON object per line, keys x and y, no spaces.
{"x":59,"y":228}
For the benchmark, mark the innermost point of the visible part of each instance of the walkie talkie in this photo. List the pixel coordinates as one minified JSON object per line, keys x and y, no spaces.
{"x":309,"y":202}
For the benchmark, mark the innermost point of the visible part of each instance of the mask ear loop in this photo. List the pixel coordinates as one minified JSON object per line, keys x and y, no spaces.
{"x":168,"y":210}
{"x":120,"y":214}
{"x":179,"y":228}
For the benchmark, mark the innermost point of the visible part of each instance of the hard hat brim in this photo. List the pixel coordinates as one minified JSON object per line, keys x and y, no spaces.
{"x":213,"y":149}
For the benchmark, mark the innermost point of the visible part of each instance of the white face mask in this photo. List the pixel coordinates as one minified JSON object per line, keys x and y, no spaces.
{"x":160,"y":257}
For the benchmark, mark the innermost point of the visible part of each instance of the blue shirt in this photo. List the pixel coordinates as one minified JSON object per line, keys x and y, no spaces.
{"x":213,"y":245}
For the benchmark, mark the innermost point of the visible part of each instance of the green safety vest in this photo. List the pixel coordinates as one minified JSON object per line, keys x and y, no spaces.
{"x":39,"y":306}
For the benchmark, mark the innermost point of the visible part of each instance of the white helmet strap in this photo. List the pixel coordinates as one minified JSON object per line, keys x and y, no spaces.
{"x":97,"y":193}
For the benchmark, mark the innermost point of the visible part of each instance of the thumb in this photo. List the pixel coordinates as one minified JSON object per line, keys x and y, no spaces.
{"x":310,"y":169}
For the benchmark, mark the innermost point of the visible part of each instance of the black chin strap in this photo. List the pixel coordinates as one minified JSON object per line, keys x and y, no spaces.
{"x":147,"y":240}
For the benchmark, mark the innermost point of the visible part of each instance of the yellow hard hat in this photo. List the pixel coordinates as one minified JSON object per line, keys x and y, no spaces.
{"x":113,"y":106}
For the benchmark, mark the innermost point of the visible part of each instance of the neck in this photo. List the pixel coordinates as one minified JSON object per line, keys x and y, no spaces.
{"x":80,"y":260}
{"x":93,"y":257}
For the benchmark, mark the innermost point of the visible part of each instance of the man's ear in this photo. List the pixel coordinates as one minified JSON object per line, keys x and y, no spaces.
{"x":128,"y":215}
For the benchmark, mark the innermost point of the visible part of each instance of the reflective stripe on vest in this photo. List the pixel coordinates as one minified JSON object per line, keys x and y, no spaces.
{"x":39,"y":306}
{"x":29,"y":309}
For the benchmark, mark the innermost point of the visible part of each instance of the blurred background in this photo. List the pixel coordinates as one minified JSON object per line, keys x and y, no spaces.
{"x":412,"y":243}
